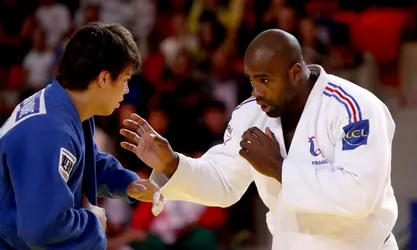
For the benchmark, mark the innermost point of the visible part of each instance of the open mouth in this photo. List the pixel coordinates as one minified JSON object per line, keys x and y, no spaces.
{"x":264,"y":108}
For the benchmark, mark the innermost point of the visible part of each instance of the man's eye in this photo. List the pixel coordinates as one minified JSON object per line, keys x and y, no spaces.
{"x":263,"y":80}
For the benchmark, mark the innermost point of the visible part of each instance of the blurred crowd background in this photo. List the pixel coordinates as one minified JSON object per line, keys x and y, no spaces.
{"x":192,"y":79}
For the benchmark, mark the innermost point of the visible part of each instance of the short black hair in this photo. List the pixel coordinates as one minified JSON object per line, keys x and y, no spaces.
{"x":94,"y":48}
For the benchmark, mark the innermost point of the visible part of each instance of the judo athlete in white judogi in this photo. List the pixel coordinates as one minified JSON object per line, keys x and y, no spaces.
{"x":317,"y":147}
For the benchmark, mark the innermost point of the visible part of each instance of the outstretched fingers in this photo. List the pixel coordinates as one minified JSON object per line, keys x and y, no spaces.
{"x":130,"y":135}
{"x":128,"y":146}
{"x":134,"y":127}
{"x":142,"y":122}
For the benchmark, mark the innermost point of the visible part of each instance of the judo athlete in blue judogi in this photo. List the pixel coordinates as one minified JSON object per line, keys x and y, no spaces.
{"x":50,"y":168}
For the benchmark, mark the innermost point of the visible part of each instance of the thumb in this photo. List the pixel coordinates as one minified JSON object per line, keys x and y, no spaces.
{"x":140,"y":188}
{"x":271,"y":135}
{"x":137,"y":187}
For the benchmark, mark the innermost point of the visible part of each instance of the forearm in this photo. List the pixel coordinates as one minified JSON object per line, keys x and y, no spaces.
{"x":205,"y":181}
{"x":112,"y":178}
{"x":117,"y":187}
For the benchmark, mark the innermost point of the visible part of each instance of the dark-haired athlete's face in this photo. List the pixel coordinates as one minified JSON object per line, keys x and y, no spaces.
{"x":113,"y":91}
{"x":271,"y":84}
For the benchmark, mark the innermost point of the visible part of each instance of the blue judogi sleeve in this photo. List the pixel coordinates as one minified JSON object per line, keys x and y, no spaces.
{"x":40,"y":163}
{"x":112,"y":178}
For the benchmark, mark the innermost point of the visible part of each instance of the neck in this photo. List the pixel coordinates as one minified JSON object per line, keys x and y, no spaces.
{"x":82,"y":103}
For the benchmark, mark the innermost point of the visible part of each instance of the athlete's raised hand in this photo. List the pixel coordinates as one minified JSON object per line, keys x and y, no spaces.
{"x":148,"y":145}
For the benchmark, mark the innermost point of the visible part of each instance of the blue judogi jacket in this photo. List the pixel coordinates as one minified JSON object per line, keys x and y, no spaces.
{"x":48,"y":159}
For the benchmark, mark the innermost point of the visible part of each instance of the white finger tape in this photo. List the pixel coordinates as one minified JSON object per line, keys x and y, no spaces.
{"x":156,"y":197}
{"x":157,"y":208}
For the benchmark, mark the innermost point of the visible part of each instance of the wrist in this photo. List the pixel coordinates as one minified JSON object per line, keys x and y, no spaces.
{"x":278,"y":173}
{"x":171,"y":166}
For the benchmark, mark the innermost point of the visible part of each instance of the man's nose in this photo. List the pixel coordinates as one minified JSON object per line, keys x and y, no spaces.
{"x":256,"y":92}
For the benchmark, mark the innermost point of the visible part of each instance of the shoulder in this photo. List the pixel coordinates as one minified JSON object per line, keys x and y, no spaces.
{"x":352,"y":112}
{"x":45,"y":127}
{"x":247,"y":111}
{"x":348,"y":100}
{"x":244,"y":116}
{"x":32,"y":115}
{"x":40,"y":135}
{"x":247,"y":108}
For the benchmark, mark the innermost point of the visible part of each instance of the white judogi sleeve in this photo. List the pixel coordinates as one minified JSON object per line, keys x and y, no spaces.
{"x":219,"y":178}
{"x":350,"y":186}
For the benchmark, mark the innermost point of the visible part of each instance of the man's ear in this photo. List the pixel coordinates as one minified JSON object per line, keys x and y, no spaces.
{"x":295,"y":73}
{"x":103,"y":78}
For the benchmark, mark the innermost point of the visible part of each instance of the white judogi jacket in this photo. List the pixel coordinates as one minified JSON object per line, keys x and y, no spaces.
{"x":336,"y":189}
